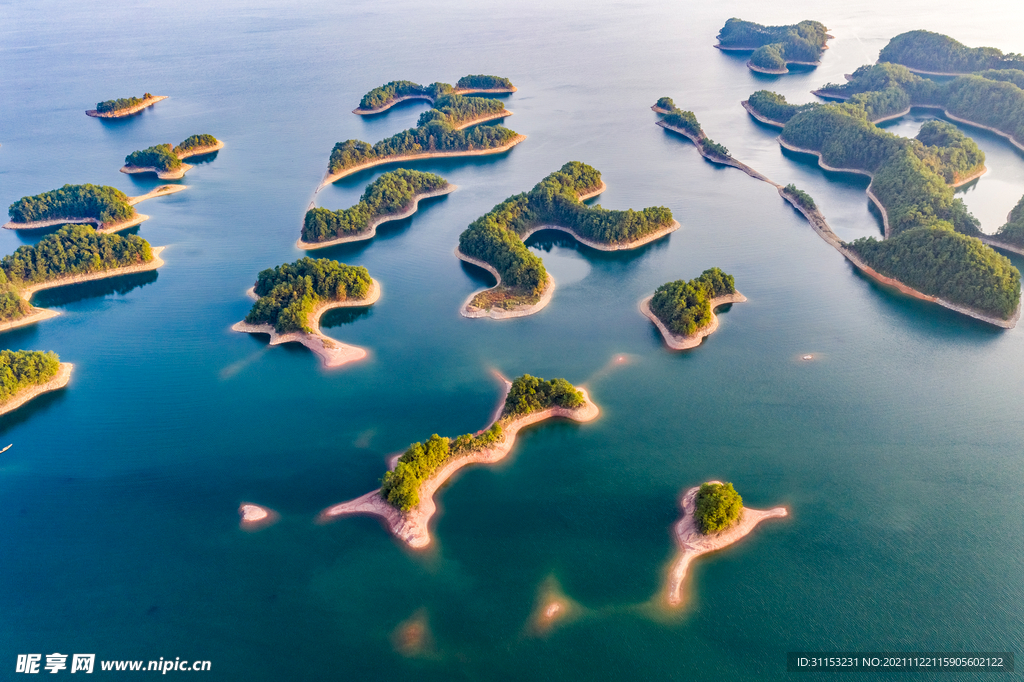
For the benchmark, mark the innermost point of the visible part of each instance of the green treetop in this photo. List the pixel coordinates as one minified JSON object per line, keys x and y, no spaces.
{"x":718,"y":506}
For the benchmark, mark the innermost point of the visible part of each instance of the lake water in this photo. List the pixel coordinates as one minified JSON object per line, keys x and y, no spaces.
{"x":897,"y":450}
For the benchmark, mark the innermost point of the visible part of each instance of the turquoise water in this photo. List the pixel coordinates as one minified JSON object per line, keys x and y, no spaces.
{"x":897,"y":451}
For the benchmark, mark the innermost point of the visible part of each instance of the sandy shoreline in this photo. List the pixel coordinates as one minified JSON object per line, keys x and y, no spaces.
{"x":121,"y":113}
{"x":458,"y":91}
{"x":763,"y":119}
{"x":371,"y":229}
{"x":676,"y":342}
{"x":500,"y":313}
{"x":199,"y":151}
{"x":100,"y":227}
{"x":995,"y":242}
{"x":692,"y":543}
{"x":622,"y":246}
{"x":37,"y":315}
{"x":412,"y":527}
{"x":333,"y":177}
{"x":163,"y":175}
{"x":59,"y":380}
{"x":27,"y":292}
{"x":760,"y":69}
{"x":253,"y":517}
{"x":725,"y":161}
{"x":331,"y":352}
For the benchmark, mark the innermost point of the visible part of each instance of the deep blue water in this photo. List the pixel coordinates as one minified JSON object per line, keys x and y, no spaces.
{"x":898,"y":450}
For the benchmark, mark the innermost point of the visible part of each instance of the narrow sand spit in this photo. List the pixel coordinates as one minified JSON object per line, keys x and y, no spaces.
{"x":121,"y":113}
{"x":676,"y":342}
{"x":59,"y":380}
{"x":253,"y":517}
{"x":371,"y":229}
{"x":412,"y":527}
{"x":331,"y":352}
{"x":692,"y":543}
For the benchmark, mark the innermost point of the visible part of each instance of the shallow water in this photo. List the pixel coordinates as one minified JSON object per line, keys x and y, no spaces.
{"x":897,"y":450}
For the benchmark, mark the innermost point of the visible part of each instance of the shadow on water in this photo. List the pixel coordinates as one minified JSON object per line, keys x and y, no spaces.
{"x":339,"y":317}
{"x":199,"y":159}
{"x":32,"y":237}
{"x":478,"y":274}
{"x":545,"y":240}
{"x":32,"y":408}
{"x":438,"y":165}
{"x":849,"y":178}
{"x":396,"y":108}
{"x":72,"y":293}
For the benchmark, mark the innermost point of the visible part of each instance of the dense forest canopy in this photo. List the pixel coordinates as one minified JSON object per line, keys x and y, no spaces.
{"x":687,"y":120}
{"x":496,"y":237}
{"x":457,"y":109}
{"x":73,"y":250}
{"x":121,"y":103}
{"x":387,"y":93}
{"x":774,"y":106}
{"x":684,"y":307}
{"x":193,"y":142}
{"x":289,"y":293}
{"x":391,"y":193}
{"x":527,"y":395}
{"x":23,"y":368}
{"x":103,"y":203}
{"x":718,"y":506}
{"x":482,"y":82}
{"x":775,"y":45}
{"x":934,"y":52}
{"x":1013,"y":231}
{"x":12,"y":305}
{"x":160,"y":156}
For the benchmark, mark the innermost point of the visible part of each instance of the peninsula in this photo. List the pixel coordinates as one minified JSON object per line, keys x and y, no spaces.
{"x":386,"y":96}
{"x":166,"y":161}
{"x":405,"y":500}
{"x":713,"y":518}
{"x":73,"y":254}
{"x":449,"y":128}
{"x":684,"y":311}
{"x":392,"y":196}
{"x":773,"y":47}
{"x":291,"y":298}
{"x":939,"y":55}
{"x":124,"y":106}
{"x":495,"y":241}
{"x":27,"y":374}
{"x":108,"y":208}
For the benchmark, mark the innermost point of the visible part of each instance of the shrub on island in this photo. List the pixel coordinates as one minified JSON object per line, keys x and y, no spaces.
{"x":718,"y":506}
{"x":102,"y":203}
{"x":24,"y":368}
{"x":528,"y":395}
{"x":120,"y":104}
{"x":934,"y":52}
{"x":289,"y":293}
{"x":801,"y":197}
{"x":391,"y":193}
{"x":774,"y":46}
{"x":194,"y":142}
{"x":496,"y":238}
{"x":687,"y":120}
{"x":73,"y":250}
{"x":160,"y":157}
{"x":482,"y":82}
{"x":685,"y":307}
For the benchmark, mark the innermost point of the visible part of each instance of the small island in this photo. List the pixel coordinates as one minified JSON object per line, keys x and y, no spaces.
{"x":27,"y":374}
{"x":939,"y":55}
{"x":253,"y":517}
{"x":382,"y":98}
{"x":684,"y":311}
{"x":291,"y":298}
{"x":166,"y":161}
{"x":713,"y":518}
{"x":108,"y":208}
{"x":495,"y":240}
{"x":73,"y":254}
{"x":405,"y":500}
{"x":124,"y":106}
{"x":774,"y":47}
{"x":392,"y":196}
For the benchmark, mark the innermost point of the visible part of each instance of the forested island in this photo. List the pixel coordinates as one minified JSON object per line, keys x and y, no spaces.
{"x":392,"y":196}
{"x":495,"y":241}
{"x":291,"y":298}
{"x":27,"y":374}
{"x":75,"y":253}
{"x":124,"y":106}
{"x":713,"y":518}
{"x":166,"y":161}
{"x":110,"y":209}
{"x":384,"y":97}
{"x":931,"y":247}
{"x":937,"y":54}
{"x":684,"y":311}
{"x":405,"y":498}
{"x":773,"y":47}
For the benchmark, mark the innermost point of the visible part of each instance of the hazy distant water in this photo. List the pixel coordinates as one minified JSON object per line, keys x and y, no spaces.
{"x":898,"y":451}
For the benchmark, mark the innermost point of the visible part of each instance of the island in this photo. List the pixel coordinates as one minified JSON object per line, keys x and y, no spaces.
{"x":932,"y":248}
{"x":291,"y":298}
{"x":405,"y":500}
{"x":253,"y":517}
{"x":73,"y":254}
{"x":386,"y":96}
{"x":449,"y":128}
{"x":939,"y":55}
{"x":393,"y":196}
{"x":713,"y":518}
{"x":124,"y":106}
{"x":27,"y":374}
{"x":1010,"y":236}
{"x":684,"y":311}
{"x":166,"y":161}
{"x":495,"y":241}
{"x":774,"y":47}
{"x":108,"y":208}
